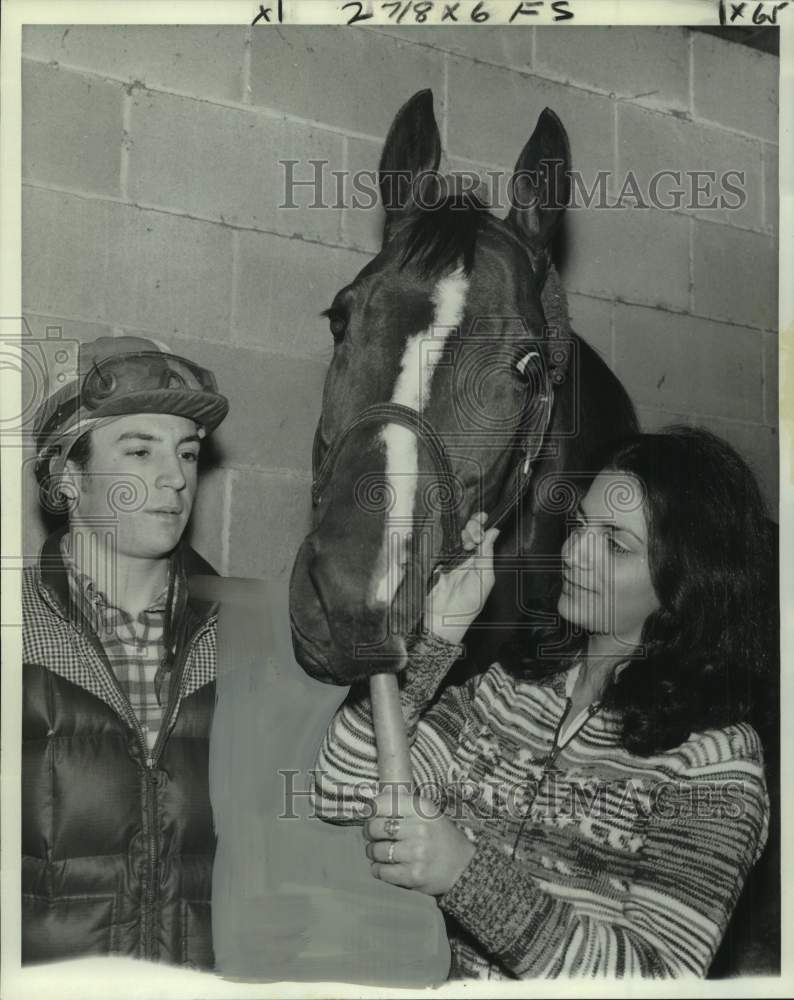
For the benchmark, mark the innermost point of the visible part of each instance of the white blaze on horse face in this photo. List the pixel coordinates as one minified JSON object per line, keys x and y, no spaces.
{"x":412,"y":389}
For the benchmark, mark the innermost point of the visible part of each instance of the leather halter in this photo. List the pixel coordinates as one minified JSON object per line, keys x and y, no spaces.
{"x":452,"y":550}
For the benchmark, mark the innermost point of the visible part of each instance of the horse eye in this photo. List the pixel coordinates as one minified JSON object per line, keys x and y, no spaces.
{"x":337,"y":322}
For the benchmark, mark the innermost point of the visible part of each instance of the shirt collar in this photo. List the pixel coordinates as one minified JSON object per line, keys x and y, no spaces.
{"x":572,"y":673}
{"x":85,"y":587}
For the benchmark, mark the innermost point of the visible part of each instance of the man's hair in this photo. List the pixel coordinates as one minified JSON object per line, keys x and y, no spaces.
{"x":81,"y":451}
{"x":51,"y":497}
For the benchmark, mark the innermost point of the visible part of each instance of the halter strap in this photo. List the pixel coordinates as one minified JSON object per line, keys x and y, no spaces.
{"x":452,"y":550}
{"x":396,"y":413}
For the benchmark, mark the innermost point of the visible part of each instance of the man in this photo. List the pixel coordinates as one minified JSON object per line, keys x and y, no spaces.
{"x":119,"y":668}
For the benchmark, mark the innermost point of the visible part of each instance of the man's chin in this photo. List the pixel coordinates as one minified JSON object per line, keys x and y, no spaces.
{"x":158,"y":542}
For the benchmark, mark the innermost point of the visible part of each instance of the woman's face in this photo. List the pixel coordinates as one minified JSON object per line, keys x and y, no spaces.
{"x":607,"y":585}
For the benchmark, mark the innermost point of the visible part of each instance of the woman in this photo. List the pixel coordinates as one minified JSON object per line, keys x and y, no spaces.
{"x":595,"y":809}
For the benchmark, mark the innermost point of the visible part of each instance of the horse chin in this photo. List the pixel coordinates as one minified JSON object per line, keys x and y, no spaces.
{"x":339,"y":648}
{"x":326,"y":662}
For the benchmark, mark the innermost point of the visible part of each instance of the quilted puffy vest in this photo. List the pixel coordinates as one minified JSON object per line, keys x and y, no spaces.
{"x":117,"y":850}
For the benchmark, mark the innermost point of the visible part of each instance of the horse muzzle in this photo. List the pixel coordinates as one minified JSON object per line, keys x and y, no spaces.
{"x":336,"y":637}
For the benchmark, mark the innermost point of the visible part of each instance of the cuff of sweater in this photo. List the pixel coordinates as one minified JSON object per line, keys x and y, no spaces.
{"x":494,"y":901}
{"x":429,"y":659}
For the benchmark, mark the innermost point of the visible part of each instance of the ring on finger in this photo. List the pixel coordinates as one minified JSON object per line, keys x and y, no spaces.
{"x":390,"y":855}
{"x":392,"y":828}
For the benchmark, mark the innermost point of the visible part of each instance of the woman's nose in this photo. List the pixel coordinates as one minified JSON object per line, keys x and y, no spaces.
{"x":578,"y":548}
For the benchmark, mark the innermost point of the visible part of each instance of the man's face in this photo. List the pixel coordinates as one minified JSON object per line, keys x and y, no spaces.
{"x":140,"y":481}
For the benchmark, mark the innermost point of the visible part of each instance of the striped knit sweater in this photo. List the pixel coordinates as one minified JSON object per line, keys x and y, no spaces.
{"x":589,"y":860}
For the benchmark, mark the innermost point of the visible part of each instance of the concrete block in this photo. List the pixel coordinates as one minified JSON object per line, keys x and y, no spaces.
{"x":687,"y":365}
{"x":118,"y":264}
{"x":653,"y":420}
{"x":225,"y":164}
{"x":503,"y":45}
{"x":633,"y":254}
{"x":64,"y":254}
{"x":71,"y":129}
{"x":649,"y":64}
{"x":207,"y":523}
{"x":275,"y":404}
{"x":735,"y":275}
{"x":494,"y":181}
{"x":281,"y":288}
{"x":649,"y":143}
{"x":363,"y":216}
{"x":271,"y":515}
{"x":771,"y":377}
{"x":758,"y":445}
{"x":480,"y":126}
{"x":592,"y":320}
{"x":735,"y":86}
{"x":205,"y":60}
{"x":362,"y":77}
{"x":771,"y":187}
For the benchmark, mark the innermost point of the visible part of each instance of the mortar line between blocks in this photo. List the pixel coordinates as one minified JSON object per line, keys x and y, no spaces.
{"x":280,"y":115}
{"x":764,"y":221}
{"x":247,"y":44}
{"x":691,"y":267}
{"x":126,"y":139}
{"x":613,"y":353}
{"x":226,"y":519}
{"x":234,"y":287}
{"x":615,"y":144}
{"x":182,"y":214}
{"x":691,"y":71}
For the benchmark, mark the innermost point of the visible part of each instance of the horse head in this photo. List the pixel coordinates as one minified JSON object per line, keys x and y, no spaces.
{"x":441,"y":373}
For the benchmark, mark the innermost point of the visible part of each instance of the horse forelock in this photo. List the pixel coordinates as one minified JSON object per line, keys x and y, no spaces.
{"x":439,"y":237}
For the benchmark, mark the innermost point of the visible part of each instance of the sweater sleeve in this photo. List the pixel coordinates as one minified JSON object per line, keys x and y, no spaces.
{"x":664,"y":918}
{"x":347,"y":765}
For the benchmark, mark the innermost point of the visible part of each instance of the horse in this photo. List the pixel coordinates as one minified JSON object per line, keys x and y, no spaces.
{"x":456,"y":385}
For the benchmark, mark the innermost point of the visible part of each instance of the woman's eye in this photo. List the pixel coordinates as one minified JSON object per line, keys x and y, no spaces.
{"x":139,"y":452}
{"x":190,"y":456}
{"x":616,"y":547}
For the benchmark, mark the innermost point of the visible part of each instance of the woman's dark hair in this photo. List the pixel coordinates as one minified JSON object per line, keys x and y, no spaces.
{"x":710,"y":552}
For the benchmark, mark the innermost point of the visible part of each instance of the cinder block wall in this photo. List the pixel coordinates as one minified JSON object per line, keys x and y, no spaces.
{"x":150,"y":206}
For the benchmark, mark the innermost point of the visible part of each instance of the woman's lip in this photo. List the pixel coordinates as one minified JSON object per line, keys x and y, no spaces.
{"x":573,"y":583}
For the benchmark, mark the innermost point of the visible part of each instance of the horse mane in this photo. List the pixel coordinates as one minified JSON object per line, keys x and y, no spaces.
{"x":438,"y":236}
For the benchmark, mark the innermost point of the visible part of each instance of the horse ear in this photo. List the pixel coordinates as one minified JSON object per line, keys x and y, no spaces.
{"x":540,"y":185}
{"x":413,"y":147}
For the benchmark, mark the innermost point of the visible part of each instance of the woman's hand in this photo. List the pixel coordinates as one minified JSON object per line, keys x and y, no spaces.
{"x":460,"y":595}
{"x":422,"y":849}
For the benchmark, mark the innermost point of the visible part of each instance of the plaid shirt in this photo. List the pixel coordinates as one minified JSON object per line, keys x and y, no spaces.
{"x":134,"y":646}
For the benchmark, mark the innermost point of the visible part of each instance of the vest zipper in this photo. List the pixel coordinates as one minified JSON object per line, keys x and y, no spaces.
{"x":147,"y":911}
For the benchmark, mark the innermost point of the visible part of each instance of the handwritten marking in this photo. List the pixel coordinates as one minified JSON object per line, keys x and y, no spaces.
{"x":360,"y":15}
{"x":479,"y":12}
{"x":265,"y":12}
